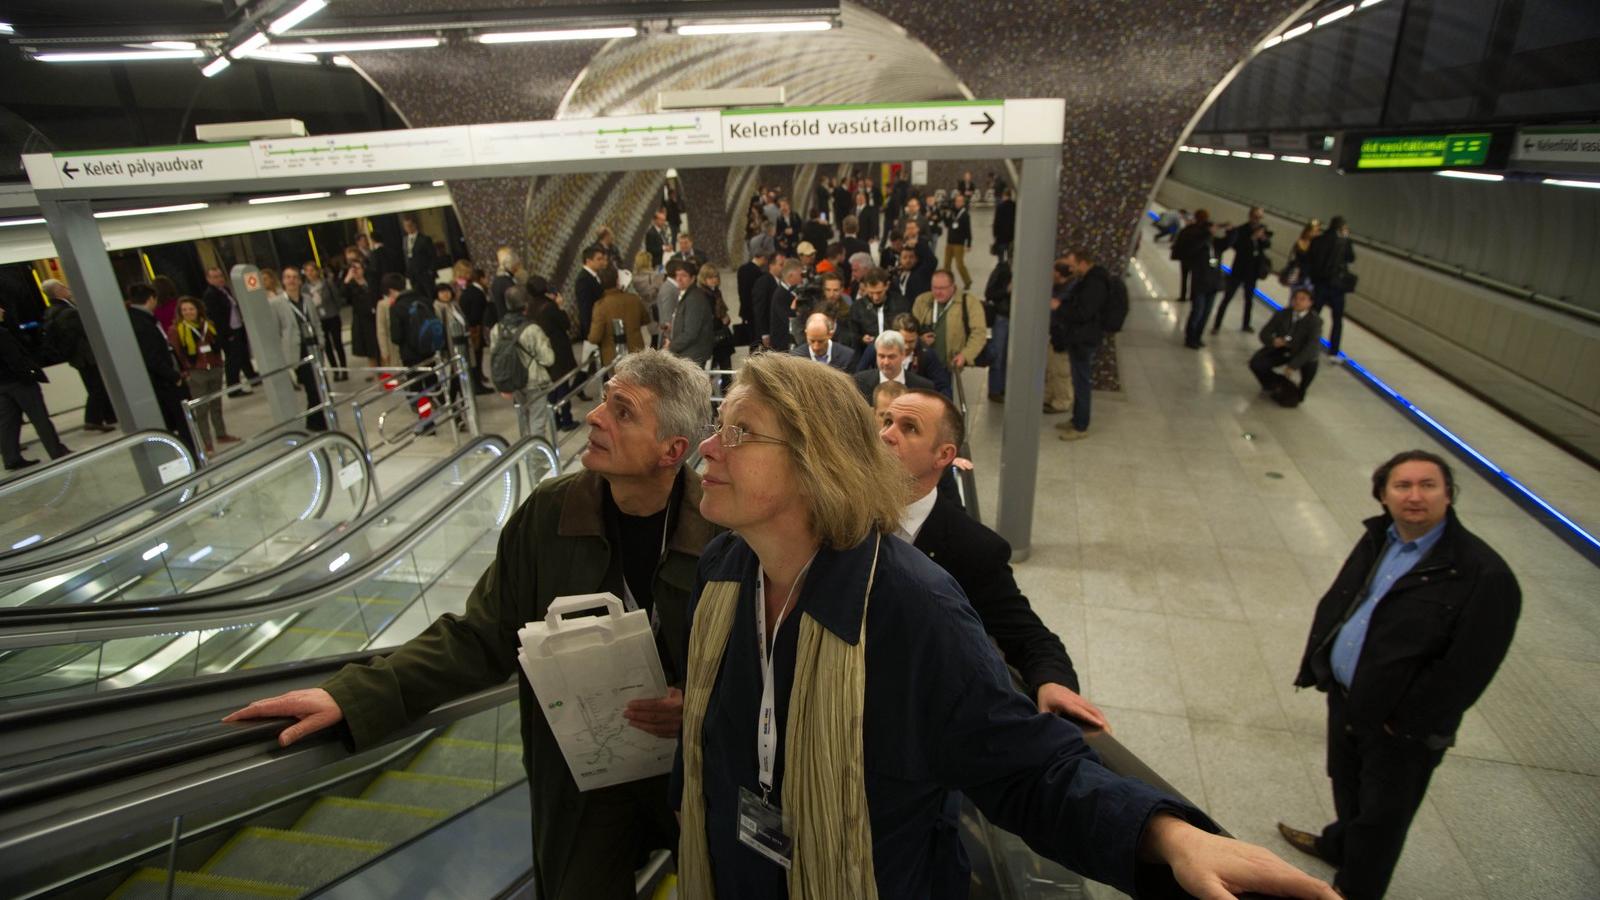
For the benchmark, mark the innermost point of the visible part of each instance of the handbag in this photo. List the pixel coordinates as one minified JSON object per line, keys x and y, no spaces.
{"x":1346,"y":281}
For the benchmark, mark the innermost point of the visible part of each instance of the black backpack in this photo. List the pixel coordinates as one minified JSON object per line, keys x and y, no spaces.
{"x":422,"y":334}
{"x":1115,"y":315}
{"x":60,"y":336}
{"x":508,"y":368}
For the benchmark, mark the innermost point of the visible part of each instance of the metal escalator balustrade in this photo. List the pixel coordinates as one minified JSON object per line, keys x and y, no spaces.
{"x":280,"y":509}
{"x":71,"y":537}
{"x":376,"y":586}
{"x":63,"y":495}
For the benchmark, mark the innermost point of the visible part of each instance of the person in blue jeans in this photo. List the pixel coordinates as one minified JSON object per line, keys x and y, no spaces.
{"x":1198,"y":246}
{"x":997,"y":302}
{"x":1328,"y":259}
{"x":1075,"y":328}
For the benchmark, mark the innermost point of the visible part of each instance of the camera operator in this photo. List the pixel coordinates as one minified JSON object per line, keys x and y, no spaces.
{"x":1249,"y":242}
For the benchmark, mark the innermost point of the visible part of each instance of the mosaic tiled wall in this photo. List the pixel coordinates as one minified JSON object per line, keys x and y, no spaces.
{"x":1134,"y":74}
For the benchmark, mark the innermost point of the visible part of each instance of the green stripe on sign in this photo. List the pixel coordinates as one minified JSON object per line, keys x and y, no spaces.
{"x":77,"y":153}
{"x":847,"y":107}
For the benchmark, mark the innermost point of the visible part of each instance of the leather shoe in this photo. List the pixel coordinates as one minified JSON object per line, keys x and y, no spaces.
{"x":1305,"y":842}
{"x":997,"y":398}
{"x":21,"y":464}
{"x":1056,"y":410}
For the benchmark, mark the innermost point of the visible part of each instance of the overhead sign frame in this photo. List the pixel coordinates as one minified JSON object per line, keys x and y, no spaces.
{"x":1424,"y":151}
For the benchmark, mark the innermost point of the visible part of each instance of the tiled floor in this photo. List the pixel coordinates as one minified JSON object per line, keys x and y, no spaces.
{"x":1181,"y":549}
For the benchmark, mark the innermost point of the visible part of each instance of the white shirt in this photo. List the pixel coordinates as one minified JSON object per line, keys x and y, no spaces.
{"x":900,"y":377}
{"x":824,"y":358}
{"x":912,"y":518}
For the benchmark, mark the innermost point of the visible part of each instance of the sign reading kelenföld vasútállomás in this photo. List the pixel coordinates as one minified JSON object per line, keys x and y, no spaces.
{"x":909,"y":125}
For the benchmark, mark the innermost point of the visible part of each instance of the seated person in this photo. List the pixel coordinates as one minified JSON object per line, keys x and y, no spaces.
{"x":820,"y":346}
{"x":891,"y":353}
{"x":922,"y":360}
{"x":1290,"y":339}
{"x":924,"y":431}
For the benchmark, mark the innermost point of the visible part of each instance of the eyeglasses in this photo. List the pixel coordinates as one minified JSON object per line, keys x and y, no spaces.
{"x":731,"y":436}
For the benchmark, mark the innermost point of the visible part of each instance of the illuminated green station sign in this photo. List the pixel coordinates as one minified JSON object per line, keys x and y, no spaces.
{"x":1424,"y":151}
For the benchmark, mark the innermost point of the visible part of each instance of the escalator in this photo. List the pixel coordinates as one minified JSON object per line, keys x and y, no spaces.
{"x":365,"y":583}
{"x":286,"y":506}
{"x":85,"y":524}
{"x":62,"y":496}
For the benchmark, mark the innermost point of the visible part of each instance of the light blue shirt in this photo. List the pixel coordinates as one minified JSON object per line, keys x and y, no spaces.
{"x":1398,"y":558}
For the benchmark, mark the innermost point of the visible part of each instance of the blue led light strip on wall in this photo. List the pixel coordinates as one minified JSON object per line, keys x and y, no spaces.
{"x":1553,"y":518}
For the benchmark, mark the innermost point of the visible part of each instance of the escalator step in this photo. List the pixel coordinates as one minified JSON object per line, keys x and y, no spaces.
{"x":151,"y":884}
{"x":431,"y":791}
{"x":465,"y":758}
{"x":271,"y":854}
{"x":387,"y":823}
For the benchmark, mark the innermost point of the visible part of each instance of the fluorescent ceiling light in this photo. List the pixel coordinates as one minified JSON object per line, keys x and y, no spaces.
{"x":286,"y":198}
{"x":5,"y":28}
{"x":295,"y":16}
{"x":279,"y":56}
{"x":1472,"y":176}
{"x":1266,"y":156}
{"x":1296,"y":31}
{"x":1367,"y":3}
{"x":1336,"y":15}
{"x":561,"y":34}
{"x":118,"y":56}
{"x":1242,"y":154}
{"x":1323,"y":162}
{"x":1558,"y":182}
{"x":338,"y":562}
{"x":343,"y":62}
{"x":756,"y":27}
{"x":173,"y":45}
{"x":211,"y":69}
{"x":6,"y":223}
{"x":1271,"y":42}
{"x":27,"y":541}
{"x":380,"y":189}
{"x":121,"y":213}
{"x":356,"y":46}
{"x":1302,"y":160}
{"x":1208,"y":151}
{"x":253,"y":42}
{"x":438,"y":184}
{"x":155,"y":551}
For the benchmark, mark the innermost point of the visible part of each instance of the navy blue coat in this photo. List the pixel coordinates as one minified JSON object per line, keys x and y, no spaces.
{"x":941,"y":716}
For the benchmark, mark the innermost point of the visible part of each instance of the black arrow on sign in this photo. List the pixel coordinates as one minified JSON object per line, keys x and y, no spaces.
{"x":68,"y":170}
{"x":1527,"y":144}
{"x":987,"y":123}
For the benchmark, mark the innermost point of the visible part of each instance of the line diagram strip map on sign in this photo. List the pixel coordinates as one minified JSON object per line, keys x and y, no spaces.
{"x":686,"y":134}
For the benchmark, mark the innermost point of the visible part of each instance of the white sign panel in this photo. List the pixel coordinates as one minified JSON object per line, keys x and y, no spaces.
{"x":828,"y":127}
{"x":154,"y":166}
{"x":610,"y":138}
{"x":375,"y":152}
{"x":1566,"y":145}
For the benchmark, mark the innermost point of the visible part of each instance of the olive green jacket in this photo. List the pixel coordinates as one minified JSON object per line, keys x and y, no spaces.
{"x":553,"y":546}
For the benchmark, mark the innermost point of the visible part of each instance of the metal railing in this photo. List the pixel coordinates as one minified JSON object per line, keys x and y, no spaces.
{"x":190,"y":419}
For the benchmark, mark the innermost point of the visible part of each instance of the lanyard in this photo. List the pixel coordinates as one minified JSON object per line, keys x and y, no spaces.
{"x":766,"y":732}
{"x":938,"y":308}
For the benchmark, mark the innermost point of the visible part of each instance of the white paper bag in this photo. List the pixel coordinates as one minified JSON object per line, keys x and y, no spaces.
{"x":583,"y":672}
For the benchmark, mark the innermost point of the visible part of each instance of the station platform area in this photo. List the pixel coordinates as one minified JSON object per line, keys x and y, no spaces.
{"x":1181,"y":548}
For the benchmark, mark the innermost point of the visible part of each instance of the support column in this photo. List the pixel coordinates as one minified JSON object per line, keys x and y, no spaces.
{"x":262,"y":325}
{"x":1037,"y":202}
{"x":105,"y":319}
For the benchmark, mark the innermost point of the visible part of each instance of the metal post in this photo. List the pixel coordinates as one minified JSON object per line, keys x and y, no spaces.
{"x":469,"y":395}
{"x":105,"y":319}
{"x":1025,"y":353}
{"x":320,"y":375}
{"x":194,"y":434}
{"x":261,"y":324}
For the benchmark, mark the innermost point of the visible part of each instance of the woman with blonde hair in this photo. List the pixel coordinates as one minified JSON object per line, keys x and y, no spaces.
{"x":871,"y":692}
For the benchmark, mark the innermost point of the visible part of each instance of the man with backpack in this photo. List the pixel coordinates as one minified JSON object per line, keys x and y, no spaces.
{"x":1078,"y":327}
{"x":66,"y":341}
{"x":419,"y":334}
{"x":520,"y":356}
{"x":1328,"y":263}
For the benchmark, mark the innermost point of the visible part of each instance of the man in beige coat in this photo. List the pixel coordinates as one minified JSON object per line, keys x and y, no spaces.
{"x":953,"y":326}
{"x":616,"y":303}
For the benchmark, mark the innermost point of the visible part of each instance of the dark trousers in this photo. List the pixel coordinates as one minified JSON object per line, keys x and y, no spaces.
{"x":333,"y":343}
{"x":170,"y":400}
{"x":236,"y":356}
{"x":563,"y":407}
{"x":18,"y":399}
{"x":97,"y":409}
{"x":1329,"y":295}
{"x":1183,"y":280}
{"x":308,"y":381}
{"x":1199,"y":310}
{"x":1268,"y":358}
{"x":1378,"y":784}
{"x":1082,"y":360}
{"x":1236,"y":281}
{"x":615,"y":832}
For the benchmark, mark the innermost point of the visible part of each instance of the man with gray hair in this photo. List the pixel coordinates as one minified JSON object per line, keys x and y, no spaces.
{"x":629,"y":523}
{"x":69,"y":343}
{"x":892,"y":352}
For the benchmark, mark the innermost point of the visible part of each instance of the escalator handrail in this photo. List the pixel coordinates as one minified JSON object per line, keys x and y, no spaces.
{"x":32,"y":553}
{"x":94,"y":454}
{"x":108,"y":621}
{"x":86,"y":556}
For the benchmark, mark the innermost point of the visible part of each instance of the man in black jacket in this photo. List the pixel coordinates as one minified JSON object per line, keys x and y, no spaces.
{"x":421,"y":265}
{"x":1328,"y":262}
{"x":1249,"y":242}
{"x":1290,"y":340}
{"x":1075,"y":329}
{"x":1403,"y":643}
{"x":816,"y":231}
{"x":924,"y":432}
{"x":20,"y":396}
{"x":782,"y":306}
{"x":1005,"y":225}
{"x":959,"y":240}
{"x":887,"y":361}
{"x":657,"y":239}
{"x":844,"y":202}
{"x":222,"y":308}
{"x":786,"y":228}
{"x":1197,"y":248}
{"x":63,"y":333}
{"x":156,"y":352}
{"x":873,"y":313}
{"x":756,"y":308}
{"x":586,"y":289}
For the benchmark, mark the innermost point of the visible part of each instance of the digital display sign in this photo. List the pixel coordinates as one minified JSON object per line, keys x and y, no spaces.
{"x":1401,"y":152}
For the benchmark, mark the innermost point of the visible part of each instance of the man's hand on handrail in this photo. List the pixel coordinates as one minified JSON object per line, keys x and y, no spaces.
{"x":315,"y":709}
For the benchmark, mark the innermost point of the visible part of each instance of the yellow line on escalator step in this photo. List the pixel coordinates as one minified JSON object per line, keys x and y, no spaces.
{"x":290,"y":837}
{"x":200,"y":880}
